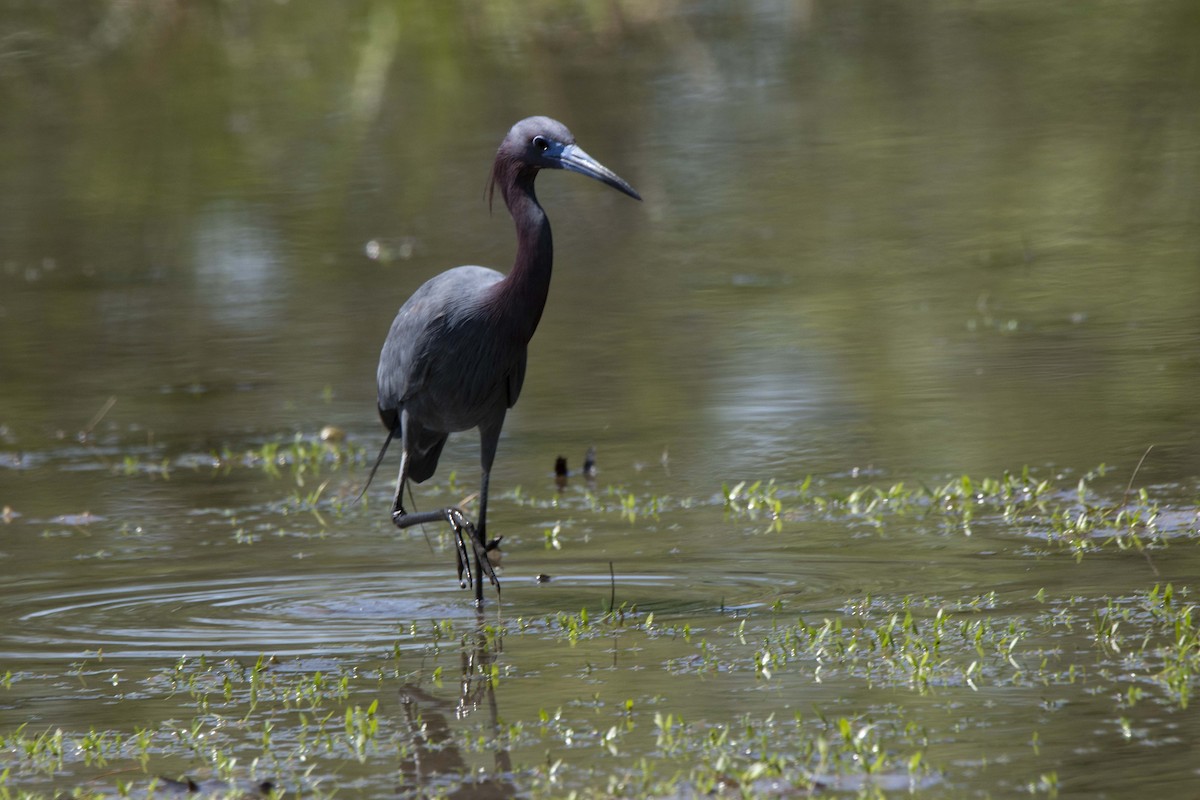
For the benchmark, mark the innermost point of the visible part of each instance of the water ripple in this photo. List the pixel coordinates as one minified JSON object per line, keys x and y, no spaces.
{"x":288,"y":615}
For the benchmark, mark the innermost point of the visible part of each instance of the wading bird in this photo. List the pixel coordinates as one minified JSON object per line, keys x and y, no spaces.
{"x":454,"y":358}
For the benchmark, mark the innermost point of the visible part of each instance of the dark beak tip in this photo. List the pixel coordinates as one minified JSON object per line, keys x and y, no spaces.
{"x":624,"y":188}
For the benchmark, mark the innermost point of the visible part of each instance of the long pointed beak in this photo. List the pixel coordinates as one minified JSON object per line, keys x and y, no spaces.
{"x":575,"y":159}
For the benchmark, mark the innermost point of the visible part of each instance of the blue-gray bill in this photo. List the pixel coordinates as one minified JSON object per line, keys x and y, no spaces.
{"x":575,"y":159}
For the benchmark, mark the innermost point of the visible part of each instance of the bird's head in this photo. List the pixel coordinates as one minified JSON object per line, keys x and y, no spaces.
{"x":537,"y":143}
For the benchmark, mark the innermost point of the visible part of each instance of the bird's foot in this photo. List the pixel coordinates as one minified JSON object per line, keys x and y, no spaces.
{"x":459,"y":522}
{"x":482,"y":550}
{"x":464,"y":531}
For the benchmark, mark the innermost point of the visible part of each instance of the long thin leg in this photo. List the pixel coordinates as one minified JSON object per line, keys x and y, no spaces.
{"x":464,"y":531}
{"x":482,"y":561}
{"x":402,"y":519}
{"x":489,"y":440}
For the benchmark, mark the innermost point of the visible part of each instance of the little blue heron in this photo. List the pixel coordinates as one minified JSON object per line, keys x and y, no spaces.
{"x":455,"y":356}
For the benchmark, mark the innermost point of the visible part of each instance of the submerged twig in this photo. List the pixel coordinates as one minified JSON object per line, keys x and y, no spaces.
{"x":612,"y":582}
{"x":1132,"y":477}
{"x":104,"y":409}
{"x":1125,"y":502}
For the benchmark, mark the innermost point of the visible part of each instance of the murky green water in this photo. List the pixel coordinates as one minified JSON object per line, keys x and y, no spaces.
{"x":881,"y":244}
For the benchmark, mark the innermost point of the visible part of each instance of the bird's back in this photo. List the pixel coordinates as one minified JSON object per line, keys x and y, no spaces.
{"x":447,"y":360}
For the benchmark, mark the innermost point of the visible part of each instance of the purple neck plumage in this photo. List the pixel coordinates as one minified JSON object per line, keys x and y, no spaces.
{"x":519,"y":299}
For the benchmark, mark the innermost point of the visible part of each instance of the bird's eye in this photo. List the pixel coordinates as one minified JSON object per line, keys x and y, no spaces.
{"x":541,"y":143}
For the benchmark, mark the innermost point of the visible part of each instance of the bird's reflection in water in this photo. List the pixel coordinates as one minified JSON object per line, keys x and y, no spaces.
{"x":434,"y":755}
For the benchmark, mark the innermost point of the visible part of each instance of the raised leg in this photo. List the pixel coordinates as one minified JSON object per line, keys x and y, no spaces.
{"x":464,"y":532}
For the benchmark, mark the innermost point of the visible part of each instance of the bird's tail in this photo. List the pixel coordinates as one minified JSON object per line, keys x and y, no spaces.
{"x":378,"y":461}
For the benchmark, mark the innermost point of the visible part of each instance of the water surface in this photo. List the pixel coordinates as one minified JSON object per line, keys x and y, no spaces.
{"x":881,"y":243}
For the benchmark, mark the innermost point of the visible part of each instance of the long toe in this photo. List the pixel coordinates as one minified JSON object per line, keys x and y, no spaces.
{"x":485,"y":563}
{"x":463,"y":562}
{"x":463,"y":567}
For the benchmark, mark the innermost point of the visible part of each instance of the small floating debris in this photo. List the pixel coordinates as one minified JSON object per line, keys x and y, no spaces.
{"x":211,"y":788}
{"x":332,"y":434}
{"x":560,"y":472}
{"x":86,"y":518}
{"x":385,"y":251}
